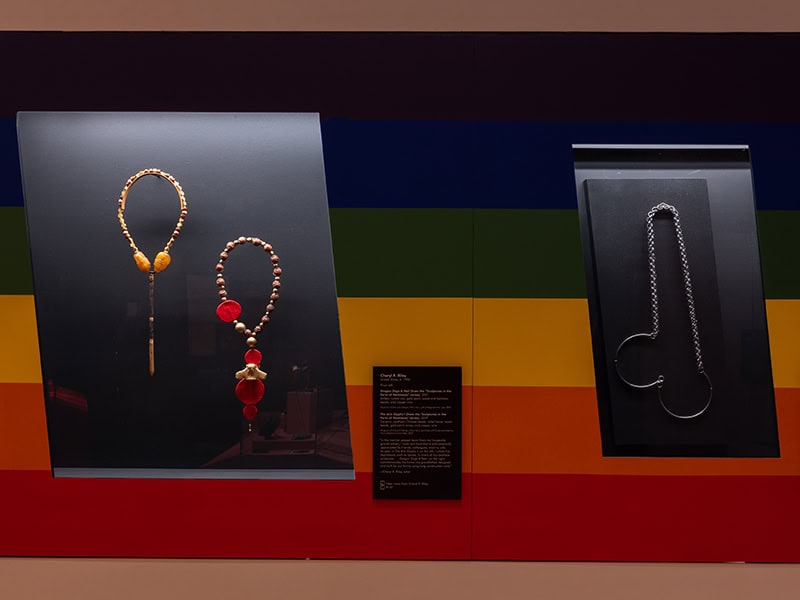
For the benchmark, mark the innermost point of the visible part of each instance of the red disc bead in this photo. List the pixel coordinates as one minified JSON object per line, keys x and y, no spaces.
{"x":229,"y":310}
{"x":250,"y":391}
{"x":252,"y":357}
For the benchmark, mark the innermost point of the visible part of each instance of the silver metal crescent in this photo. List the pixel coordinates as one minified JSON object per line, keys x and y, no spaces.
{"x":693,"y":415}
{"x":646,"y":386}
{"x":658,"y":383}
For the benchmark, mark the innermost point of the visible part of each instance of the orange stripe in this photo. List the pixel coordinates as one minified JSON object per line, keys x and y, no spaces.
{"x":359,"y":402}
{"x":516,"y":430}
{"x":359,"y":407}
{"x":556,"y":430}
{"x":23,"y":429}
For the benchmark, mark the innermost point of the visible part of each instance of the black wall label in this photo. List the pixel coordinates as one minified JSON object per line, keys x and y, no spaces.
{"x":416,"y":433}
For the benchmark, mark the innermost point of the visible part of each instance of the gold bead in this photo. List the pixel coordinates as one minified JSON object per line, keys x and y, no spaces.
{"x":251,"y":341}
{"x":142,"y":263}
{"x":240,"y":327}
{"x":161,"y":262}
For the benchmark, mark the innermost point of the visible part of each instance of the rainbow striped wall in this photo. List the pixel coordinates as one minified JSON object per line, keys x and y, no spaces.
{"x":434,"y":226}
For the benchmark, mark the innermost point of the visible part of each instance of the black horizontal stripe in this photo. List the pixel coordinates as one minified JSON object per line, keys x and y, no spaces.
{"x":484,"y":76}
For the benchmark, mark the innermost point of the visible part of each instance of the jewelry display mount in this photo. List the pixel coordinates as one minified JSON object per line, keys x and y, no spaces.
{"x":705,"y":287}
{"x":162,"y":259}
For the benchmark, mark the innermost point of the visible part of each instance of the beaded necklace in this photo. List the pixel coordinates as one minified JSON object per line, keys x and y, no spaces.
{"x":162,"y":259}
{"x":250,"y":389}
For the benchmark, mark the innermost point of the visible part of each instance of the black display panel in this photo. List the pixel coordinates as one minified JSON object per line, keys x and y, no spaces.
{"x":416,"y":433}
{"x":256,"y":175}
{"x":697,"y":269}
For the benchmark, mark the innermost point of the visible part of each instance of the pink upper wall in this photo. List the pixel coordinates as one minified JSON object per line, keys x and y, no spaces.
{"x":401,"y":15}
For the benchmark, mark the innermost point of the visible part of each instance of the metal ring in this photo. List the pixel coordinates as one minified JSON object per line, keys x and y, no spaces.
{"x":655,"y":383}
{"x":659,"y":381}
{"x":694,"y":415}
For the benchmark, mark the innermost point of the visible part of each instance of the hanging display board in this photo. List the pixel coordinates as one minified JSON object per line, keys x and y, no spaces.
{"x":679,"y":327}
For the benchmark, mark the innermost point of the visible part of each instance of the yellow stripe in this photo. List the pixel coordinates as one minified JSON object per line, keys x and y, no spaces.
{"x":783,"y":318}
{"x":517,"y":342}
{"x":541,"y":342}
{"x":405,"y":332}
{"x":532,"y":342}
{"x":19,"y":350}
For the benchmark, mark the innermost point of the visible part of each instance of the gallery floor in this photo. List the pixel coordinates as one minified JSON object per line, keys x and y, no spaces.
{"x":123,"y":579}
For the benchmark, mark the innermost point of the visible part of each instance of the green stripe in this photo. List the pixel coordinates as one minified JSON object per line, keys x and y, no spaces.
{"x":518,"y":253}
{"x":528,"y":254}
{"x":429,"y":253}
{"x":779,"y":237}
{"x":15,"y":261}
{"x":386,"y":253}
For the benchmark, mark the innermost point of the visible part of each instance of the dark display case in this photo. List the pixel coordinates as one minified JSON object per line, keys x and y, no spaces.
{"x":254,"y":175}
{"x":676,"y":301}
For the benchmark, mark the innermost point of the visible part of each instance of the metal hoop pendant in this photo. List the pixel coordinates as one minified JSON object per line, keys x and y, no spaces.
{"x":658,"y":383}
{"x":693,"y":415}
{"x":644,"y":386}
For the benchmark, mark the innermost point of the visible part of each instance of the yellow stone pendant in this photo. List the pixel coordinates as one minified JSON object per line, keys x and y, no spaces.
{"x":161,"y":262}
{"x":142,"y":263}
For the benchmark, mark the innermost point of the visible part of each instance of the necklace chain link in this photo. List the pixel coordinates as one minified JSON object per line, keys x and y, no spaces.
{"x":687,"y":279}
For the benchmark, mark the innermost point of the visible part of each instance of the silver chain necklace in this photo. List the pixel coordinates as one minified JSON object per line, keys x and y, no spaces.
{"x":658,"y":383}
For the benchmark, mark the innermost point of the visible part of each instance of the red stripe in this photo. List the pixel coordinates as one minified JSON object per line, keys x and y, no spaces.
{"x":42,"y":516}
{"x":636,"y":518}
{"x":512,"y":517}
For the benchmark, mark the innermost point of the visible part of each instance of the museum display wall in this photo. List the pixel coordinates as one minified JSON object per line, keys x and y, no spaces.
{"x":456,"y":242}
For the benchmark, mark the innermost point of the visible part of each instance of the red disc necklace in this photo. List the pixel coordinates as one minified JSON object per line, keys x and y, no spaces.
{"x":250,"y":389}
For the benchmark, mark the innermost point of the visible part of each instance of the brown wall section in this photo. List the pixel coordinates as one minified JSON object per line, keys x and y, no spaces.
{"x":93,"y":579}
{"x":401,"y":15}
